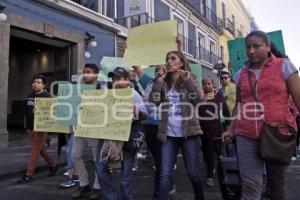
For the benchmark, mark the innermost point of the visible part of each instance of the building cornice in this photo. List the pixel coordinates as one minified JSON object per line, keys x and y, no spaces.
{"x":194,"y":13}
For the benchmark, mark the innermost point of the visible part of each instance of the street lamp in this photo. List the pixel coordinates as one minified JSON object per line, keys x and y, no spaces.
{"x":89,"y":41}
{"x":93,"y":43}
{"x":3,"y":16}
{"x":215,"y":71}
{"x":218,"y":67}
{"x":87,"y":54}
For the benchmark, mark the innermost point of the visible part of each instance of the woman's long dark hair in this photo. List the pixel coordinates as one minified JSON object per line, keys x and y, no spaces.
{"x":276,"y":52}
{"x":184,"y":67}
{"x":266,"y":39}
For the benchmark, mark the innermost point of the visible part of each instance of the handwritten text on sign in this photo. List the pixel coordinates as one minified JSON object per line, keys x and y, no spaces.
{"x":44,"y":116}
{"x":108,"y":115}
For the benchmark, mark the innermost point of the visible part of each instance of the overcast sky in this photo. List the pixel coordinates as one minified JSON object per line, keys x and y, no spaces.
{"x":271,"y":15}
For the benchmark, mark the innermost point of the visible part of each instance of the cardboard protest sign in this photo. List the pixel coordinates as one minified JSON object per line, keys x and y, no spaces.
{"x":106,"y":114}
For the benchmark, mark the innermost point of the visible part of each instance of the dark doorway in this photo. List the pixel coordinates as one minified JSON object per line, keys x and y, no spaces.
{"x":31,"y":54}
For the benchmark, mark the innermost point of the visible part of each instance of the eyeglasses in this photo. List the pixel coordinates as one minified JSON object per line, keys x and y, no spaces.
{"x":224,"y":78}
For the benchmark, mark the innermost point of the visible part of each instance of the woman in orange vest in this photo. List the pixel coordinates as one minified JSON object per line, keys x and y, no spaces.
{"x":274,"y":79}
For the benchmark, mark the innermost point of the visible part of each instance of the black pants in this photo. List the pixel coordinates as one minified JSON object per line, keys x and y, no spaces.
{"x":154,"y":146}
{"x":209,"y":155}
{"x":298,"y":137}
{"x":297,"y":142}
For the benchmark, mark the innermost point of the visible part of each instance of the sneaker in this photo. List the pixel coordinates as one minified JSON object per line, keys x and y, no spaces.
{"x":95,"y":194}
{"x":140,"y":156}
{"x":66,"y":173}
{"x":267,"y":192}
{"x":209,"y":182}
{"x":75,"y":178}
{"x":153,"y":167}
{"x":135,"y":167}
{"x":111,"y":170}
{"x":25,"y":179}
{"x":294,"y":158}
{"x":52,"y":171}
{"x":173,"y":189}
{"x":81,"y":192}
{"x":68,"y":182}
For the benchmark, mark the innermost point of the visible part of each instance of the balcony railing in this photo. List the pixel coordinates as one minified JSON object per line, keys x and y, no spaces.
{"x":201,"y":10}
{"x":212,"y":18}
{"x":229,"y":26}
{"x":185,"y":42}
{"x":238,"y":33}
{"x":135,"y":20}
{"x":90,"y":4}
{"x":207,"y":56}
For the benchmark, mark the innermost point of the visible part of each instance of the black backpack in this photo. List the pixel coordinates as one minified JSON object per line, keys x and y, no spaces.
{"x":136,"y":138}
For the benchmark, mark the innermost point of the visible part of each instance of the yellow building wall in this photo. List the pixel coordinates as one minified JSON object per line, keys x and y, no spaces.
{"x":242,"y":17}
{"x":223,"y":42}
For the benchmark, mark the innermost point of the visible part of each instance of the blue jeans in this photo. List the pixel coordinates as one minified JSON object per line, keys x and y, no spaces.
{"x":190,"y":150}
{"x":108,"y":190}
{"x":70,"y":164}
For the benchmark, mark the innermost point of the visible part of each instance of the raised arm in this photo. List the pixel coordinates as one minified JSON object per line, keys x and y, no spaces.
{"x":138,"y":70}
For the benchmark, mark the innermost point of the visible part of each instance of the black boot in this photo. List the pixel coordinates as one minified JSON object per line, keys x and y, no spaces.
{"x":25,"y":179}
{"x":95,"y":194}
{"x":52,"y":171}
{"x":82,"y":192}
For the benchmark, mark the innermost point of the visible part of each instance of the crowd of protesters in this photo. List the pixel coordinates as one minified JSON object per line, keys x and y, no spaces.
{"x":175,"y":113}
